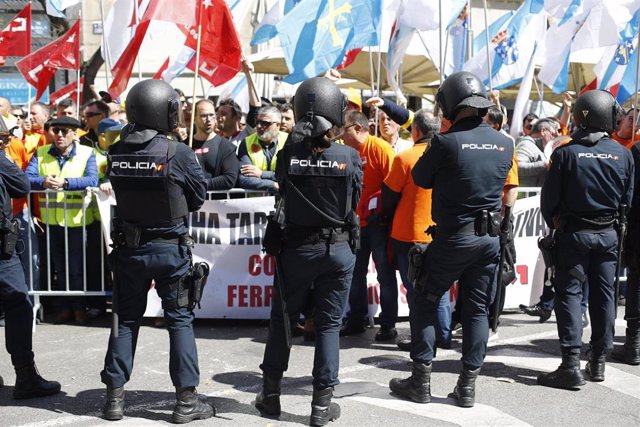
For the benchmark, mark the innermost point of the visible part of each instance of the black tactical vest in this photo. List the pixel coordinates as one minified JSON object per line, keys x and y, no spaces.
{"x":145,"y":194}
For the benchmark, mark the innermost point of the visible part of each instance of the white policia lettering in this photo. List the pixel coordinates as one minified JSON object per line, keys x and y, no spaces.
{"x":317,"y":163}
{"x":482,"y":147}
{"x":597,"y":156}
{"x":136,"y":165}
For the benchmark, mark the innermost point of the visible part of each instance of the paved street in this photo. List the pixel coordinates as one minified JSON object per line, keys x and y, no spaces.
{"x":230,"y":352}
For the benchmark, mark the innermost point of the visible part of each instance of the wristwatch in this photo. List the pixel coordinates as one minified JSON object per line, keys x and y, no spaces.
{"x":65,"y":186}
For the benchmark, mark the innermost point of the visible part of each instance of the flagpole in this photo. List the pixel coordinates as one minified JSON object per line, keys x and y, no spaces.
{"x":371,"y":70}
{"x":195,"y":76}
{"x":440,"y":41}
{"x":107,"y":52}
{"x":486,"y":36}
{"x":635,"y":98}
{"x":137,"y":11}
{"x":79,"y":64}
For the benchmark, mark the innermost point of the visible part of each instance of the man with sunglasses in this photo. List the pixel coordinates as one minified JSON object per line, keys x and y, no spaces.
{"x":258,"y":152}
{"x":68,"y":168}
{"x":93,"y":113}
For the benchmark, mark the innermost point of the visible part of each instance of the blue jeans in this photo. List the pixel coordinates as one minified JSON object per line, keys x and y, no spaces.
{"x":309,"y":271}
{"x":589,"y":257}
{"x":136,"y":268}
{"x":443,"y":323}
{"x":72,"y":256}
{"x":373,"y":242}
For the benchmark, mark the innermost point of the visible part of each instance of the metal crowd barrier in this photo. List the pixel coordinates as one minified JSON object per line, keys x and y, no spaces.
{"x":88,"y":200}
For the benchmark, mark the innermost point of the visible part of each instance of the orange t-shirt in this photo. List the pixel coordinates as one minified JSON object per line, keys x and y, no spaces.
{"x":413,"y":213}
{"x":376,"y":155}
{"x":17,"y":152}
{"x":33,"y":141}
{"x":627,"y":142}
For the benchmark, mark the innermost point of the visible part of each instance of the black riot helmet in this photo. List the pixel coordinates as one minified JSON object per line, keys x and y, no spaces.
{"x":598,"y":110}
{"x":153,"y":104}
{"x":462,"y":89}
{"x":320,"y":97}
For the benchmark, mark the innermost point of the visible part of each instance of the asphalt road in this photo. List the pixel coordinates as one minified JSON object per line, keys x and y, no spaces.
{"x":230,"y":352}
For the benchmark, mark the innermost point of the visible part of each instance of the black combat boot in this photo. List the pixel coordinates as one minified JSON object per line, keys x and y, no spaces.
{"x":595,"y":365}
{"x":322,"y":409}
{"x":268,"y":401}
{"x":567,"y":376}
{"x":189,"y":407}
{"x":417,"y":387}
{"x":113,"y":409}
{"x":30,"y":384}
{"x":465,"y":389}
{"x":629,"y":353}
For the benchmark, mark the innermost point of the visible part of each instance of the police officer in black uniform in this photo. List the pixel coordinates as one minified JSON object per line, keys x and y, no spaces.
{"x":14,"y":298}
{"x":589,"y":178}
{"x":629,"y":353}
{"x":157,"y":182}
{"x":466,"y":167}
{"x":320,"y":182}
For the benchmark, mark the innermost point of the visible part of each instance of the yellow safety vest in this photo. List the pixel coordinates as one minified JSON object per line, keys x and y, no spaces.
{"x":254,"y":148}
{"x":53,"y":211}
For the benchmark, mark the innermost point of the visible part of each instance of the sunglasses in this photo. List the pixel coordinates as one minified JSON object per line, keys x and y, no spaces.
{"x":91,"y":113}
{"x":528,"y":127}
{"x":264,"y":123}
{"x":56,"y":130}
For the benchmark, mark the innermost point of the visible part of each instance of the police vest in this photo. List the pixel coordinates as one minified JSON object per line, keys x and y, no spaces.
{"x":325,"y":182}
{"x":256,"y":153}
{"x":145,"y":194}
{"x":65,"y":208}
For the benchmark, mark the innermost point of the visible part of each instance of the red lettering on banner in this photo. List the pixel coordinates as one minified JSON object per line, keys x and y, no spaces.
{"x":403,"y":294}
{"x":249,"y":296}
{"x":259,"y":265}
{"x":268,"y":295}
{"x":374,"y":293}
{"x":454,"y":291}
{"x":254,"y":265}
{"x":523,"y":272}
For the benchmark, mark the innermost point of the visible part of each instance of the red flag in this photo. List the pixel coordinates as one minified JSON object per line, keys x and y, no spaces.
{"x":40,"y":66}
{"x":220,"y":51}
{"x":67,"y":56}
{"x":122,"y":70}
{"x":181,"y":12}
{"x":68,"y":91}
{"x":591,"y":86}
{"x":349,"y":58}
{"x":15,"y":38}
{"x":158,"y":74}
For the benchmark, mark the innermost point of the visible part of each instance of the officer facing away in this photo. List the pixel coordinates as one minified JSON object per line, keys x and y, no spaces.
{"x":589,"y":178}
{"x":320,"y":183}
{"x":14,"y":298}
{"x":157,"y":182}
{"x":466,"y":168}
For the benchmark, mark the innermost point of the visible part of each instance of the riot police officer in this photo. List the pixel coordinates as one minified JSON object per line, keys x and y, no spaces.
{"x":630,"y":352}
{"x":589,"y":179}
{"x":466,"y":168}
{"x":14,"y":298}
{"x":320,"y":183}
{"x":157,"y":182}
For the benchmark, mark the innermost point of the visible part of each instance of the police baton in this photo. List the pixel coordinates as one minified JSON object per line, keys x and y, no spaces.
{"x":504,"y":235}
{"x":279,"y":282}
{"x":113,"y":265}
{"x":622,"y":233}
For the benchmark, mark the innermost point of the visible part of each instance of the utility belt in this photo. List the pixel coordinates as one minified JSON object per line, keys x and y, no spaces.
{"x":486,"y":222}
{"x":126,"y":234}
{"x":573,"y":224}
{"x":9,"y":233}
{"x":311,"y":236}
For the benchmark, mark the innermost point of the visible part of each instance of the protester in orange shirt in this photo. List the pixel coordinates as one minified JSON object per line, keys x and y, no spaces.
{"x":377,"y":156}
{"x":625,"y":127}
{"x":410,"y":208}
{"x":34,"y":137}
